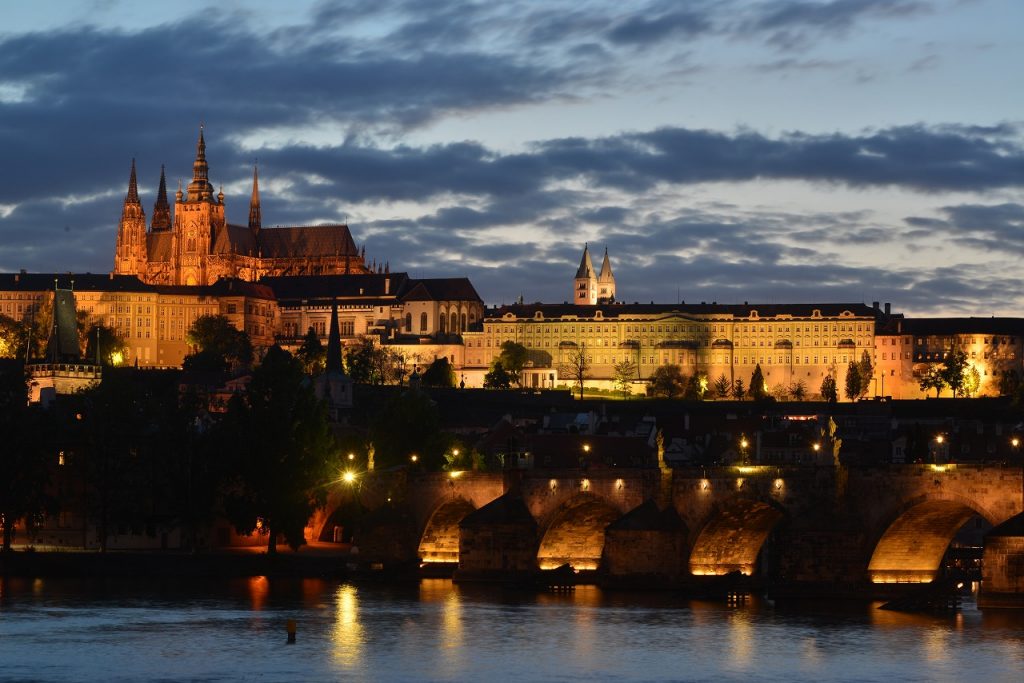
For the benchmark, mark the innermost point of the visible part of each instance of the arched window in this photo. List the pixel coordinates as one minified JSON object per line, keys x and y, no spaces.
{"x":408,"y":322}
{"x":443,"y":320}
{"x":423,"y":322}
{"x":454,"y":327}
{"x":463,"y":328}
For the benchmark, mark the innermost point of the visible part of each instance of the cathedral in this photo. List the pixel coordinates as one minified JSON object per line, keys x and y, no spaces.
{"x":196,"y":245}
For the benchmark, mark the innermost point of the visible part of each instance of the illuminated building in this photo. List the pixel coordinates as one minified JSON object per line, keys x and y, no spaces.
{"x":198,"y":246}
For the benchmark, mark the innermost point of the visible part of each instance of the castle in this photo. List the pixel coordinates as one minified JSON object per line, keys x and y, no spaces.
{"x":197,"y":246}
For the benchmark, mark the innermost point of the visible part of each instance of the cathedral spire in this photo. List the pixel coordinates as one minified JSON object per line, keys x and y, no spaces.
{"x":133,"y":188}
{"x":334,"y":341}
{"x":161,"y":209}
{"x":586,"y":268}
{"x":606,"y":268}
{"x":200,"y":189}
{"x":255,"y":216}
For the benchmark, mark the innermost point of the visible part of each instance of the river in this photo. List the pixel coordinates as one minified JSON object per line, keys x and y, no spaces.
{"x":106,"y":630}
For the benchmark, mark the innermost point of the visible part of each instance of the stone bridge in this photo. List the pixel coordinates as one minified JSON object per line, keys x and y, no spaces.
{"x":796,"y":524}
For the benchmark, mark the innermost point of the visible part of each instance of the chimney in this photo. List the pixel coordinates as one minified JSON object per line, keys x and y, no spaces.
{"x":887,"y":308}
{"x":874,"y":305}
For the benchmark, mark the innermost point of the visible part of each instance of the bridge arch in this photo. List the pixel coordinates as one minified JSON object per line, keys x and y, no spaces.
{"x":911,"y":546}
{"x":732,"y":538}
{"x":439,"y":541}
{"x":575,"y":535}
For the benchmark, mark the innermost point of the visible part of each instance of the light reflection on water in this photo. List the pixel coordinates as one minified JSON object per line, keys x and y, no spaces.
{"x":65,"y":630}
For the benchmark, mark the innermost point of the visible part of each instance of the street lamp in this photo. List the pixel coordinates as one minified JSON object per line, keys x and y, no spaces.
{"x":1015,"y":442}
{"x":743,"y":448}
{"x":414,"y":458}
{"x":349,"y":477}
{"x":351,"y":457}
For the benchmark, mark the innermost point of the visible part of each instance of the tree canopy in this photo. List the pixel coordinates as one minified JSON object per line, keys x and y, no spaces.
{"x":667,"y":381}
{"x":439,"y":374}
{"x":758,"y":391}
{"x":312,"y":354}
{"x":513,"y":358}
{"x":284,"y":454}
{"x":215,"y":335}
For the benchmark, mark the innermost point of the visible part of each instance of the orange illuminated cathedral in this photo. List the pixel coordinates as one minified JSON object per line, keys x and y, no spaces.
{"x":198,"y":246}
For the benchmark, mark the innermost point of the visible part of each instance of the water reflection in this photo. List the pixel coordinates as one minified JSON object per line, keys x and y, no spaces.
{"x":259,"y":588}
{"x":347,"y":635}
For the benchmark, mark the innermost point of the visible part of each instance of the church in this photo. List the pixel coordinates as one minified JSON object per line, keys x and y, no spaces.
{"x":196,"y":245}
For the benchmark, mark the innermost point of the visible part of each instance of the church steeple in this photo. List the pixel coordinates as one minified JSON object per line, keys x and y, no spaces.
{"x":334,"y":342}
{"x":133,"y":188}
{"x":585,"y":284}
{"x":606,"y":281}
{"x":130,"y":255}
{"x":161,"y":209}
{"x":255,"y":216}
{"x":200,"y":188}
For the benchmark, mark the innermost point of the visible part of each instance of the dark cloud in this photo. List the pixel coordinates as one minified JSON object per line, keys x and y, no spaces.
{"x":792,"y":24}
{"x":643,"y":30}
{"x":997,"y":228}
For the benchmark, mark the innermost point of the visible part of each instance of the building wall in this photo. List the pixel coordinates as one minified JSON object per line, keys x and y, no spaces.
{"x":788,"y":348}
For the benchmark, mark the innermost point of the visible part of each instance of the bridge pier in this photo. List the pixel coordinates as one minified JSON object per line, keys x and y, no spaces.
{"x":1002,"y":580}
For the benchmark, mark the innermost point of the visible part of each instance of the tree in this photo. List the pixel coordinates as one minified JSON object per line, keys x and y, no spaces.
{"x":1009,"y":383}
{"x":112,"y":348}
{"x":409,"y":425}
{"x":954,"y":369}
{"x":798,"y":390}
{"x":370,"y":363}
{"x":757,"y":389}
{"x":497,"y":377}
{"x":696,"y":387}
{"x":439,"y":374}
{"x":852,"y":381}
{"x":216,"y":335}
{"x":972,"y":381}
{"x":312,"y":354}
{"x":281,"y":451}
{"x":577,"y":368}
{"x":932,"y":378}
{"x":865,"y":373}
{"x":723,"y":387}
{"x":23,"y":463}
{"x":829,"y":390}
{"x":625,"y":373}
{"x":738,"y":390}
{"x":667,"y":381}
{"x":513,"y":358}
{"x":12,"y":338}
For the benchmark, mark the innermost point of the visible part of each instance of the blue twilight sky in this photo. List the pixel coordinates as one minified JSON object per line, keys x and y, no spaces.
{"x":728,"y":150}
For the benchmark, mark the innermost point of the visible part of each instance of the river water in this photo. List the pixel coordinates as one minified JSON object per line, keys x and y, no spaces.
{"x":106,"y":630}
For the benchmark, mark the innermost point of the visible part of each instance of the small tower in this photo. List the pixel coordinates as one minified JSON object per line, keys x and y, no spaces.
{"x":255,"y":216}
{"x":130,"y":255}
{"x":585,"y":289}
{"x":334,"y":387}
{"x":161,"y":209}
{"x":606,"y":282}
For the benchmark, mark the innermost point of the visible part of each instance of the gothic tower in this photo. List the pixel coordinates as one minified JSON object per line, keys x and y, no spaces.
{"x":130,"y":254}
{"x":585,"y":289}
{"x":255,"y":217}
{"x":161,"y":209}
{"x":606,"y":282}
{"x":196,"y":216}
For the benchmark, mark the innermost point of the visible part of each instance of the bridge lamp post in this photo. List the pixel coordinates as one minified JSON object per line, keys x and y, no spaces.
{"x":1015,"y":442}
{"x":743,"y":449}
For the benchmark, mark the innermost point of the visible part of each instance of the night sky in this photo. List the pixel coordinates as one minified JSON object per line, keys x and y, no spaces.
{"x":728,"y":150}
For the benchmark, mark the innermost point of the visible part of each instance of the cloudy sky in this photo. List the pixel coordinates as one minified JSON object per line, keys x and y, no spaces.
{"x":727,"y":150}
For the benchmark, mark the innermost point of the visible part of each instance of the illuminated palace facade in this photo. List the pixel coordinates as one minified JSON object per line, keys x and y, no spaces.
{"x":791,"y":342}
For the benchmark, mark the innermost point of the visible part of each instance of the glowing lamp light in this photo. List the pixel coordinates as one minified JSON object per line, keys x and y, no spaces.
{"x":585,"y":484}
{"x":1015,"y":442}
{"x":351,"y":456}
{"x":744,"y":443}
{"x":619,"y":484}
{"x":705,"y":485}
{"x":349,"y":477}
{"x":940,"y":439}
{"x":414,"y":458}
{"x":778,"y":484}
{"x":455,"y":474}
{"x":553,"y":484}
{"x":455,"y":452}
{"x":586,"y":448}
{"x":816,"y":447}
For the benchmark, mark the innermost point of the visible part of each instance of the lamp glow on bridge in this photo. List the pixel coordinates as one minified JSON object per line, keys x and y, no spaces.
{"x":455,"y":474}
{"x":348,"y":477}
{"x":940,"y":438}
{"x":1015,"y":442}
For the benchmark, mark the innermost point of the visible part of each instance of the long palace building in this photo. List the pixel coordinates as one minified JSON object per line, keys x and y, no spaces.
{"x":278,"y":283}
